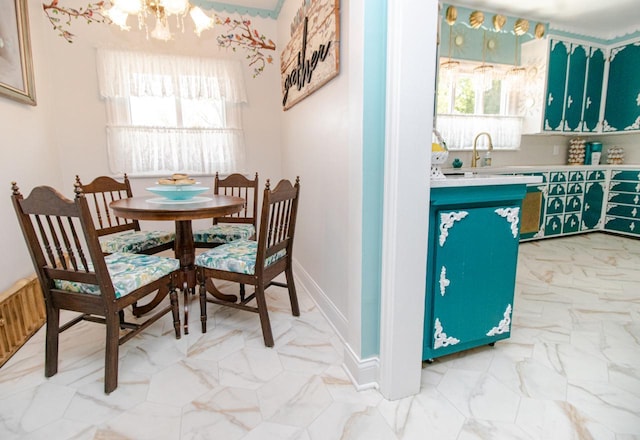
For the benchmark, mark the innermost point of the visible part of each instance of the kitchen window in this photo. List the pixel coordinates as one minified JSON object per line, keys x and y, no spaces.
{"x":469,"y":103}
{"x":171,"y":113}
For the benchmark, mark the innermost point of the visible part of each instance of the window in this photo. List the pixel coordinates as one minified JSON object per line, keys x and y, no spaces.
{"x":155,"y":111}
{"x":469,"y":103}
{"x":471,"y":98}
{"x":168,"y":113}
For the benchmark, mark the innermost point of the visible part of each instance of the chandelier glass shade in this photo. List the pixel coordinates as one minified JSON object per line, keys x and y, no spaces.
{"x":449,"y":69}
{"x":161,"y":10}
{"x":517,"y":73}
{"x":483,"y":74}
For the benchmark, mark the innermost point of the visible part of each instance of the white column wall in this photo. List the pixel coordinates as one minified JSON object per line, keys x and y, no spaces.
{"x":410,"y":99}
{"x":322,"y":143}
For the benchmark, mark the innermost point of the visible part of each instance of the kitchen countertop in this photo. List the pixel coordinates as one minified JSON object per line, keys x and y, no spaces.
{"x":485,"y":176}
{"x":468,"y":178}
{"x":537,"y":168}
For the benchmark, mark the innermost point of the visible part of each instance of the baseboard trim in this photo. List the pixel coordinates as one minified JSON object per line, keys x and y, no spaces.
{"x":363,"y":373}
{"x":326,"y":306}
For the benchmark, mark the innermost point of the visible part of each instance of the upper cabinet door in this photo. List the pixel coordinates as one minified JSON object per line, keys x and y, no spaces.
{"x":556,"y":85}
{"x":622,"y":109}
{"x":593,"y":90}
{"x":575,"y":88}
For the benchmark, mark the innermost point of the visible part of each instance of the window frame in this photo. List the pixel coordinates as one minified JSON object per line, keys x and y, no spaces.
{"x":157,"y":147}
{"x":460,"y":128}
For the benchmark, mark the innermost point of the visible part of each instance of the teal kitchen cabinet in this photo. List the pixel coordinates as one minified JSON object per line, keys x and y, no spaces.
{"x":571,"y":223}
{"x":593,"y":90}
{"x":576,"y":79}
{"x":571,"y":93}
{"x":556,"y":85}
{"x":556,"y":203}
{"x":623,"y":205}
{"x":574,"y":87}
{"x":622,"y":105}
{"x":473,"y":251}
{"x":593,"y":200}
{"x":575,"y":202}
{"x":566,"y":202}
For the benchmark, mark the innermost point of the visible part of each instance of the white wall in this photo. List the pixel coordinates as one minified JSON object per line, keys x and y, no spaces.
{"x":322,"y":143}
{"x":29,"y":155}
{"x":539,"y":150}
{"x":65,"y":134}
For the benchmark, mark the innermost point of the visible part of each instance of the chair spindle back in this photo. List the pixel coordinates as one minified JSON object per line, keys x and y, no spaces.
{"x":100,"y":193}
{"x":239,"y":186}
{"x":61,"y":238}
{"x":278,"y":219}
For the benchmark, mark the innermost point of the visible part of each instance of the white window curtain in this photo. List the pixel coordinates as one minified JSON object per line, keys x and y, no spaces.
{"x":459,"y":131}
{"x":168,"y":143}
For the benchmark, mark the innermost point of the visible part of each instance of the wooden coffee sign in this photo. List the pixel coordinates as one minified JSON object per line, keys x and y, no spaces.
{"x":312,"y":56}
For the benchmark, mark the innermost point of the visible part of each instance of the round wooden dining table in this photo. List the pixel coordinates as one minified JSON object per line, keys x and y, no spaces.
{"x":182,"y":212}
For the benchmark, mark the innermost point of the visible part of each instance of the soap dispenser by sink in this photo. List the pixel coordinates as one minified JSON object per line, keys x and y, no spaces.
{"x":486,"y":160}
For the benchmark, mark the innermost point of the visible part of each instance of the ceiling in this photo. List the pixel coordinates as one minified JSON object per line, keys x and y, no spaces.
{"x":605,"y":19}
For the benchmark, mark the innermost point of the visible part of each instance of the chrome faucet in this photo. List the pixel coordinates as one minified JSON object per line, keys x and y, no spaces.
{"x":476,"y":156}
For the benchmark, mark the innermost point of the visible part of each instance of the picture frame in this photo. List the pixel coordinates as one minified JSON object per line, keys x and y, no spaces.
{"x":16,"y":66}
{"x":311,"y":58}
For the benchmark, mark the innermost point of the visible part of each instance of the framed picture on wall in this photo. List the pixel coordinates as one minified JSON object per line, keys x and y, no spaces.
{"x":16,"y":68}
{"x":312,"y":57}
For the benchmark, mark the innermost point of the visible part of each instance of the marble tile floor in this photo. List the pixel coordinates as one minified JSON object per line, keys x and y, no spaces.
{"x":571,"y":370}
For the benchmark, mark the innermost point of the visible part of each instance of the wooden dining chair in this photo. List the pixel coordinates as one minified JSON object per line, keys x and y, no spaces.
{"x":241,"y":225}
{"x":118,"y":234}
{"x":76,"y":275}
{"x":257,"y":263}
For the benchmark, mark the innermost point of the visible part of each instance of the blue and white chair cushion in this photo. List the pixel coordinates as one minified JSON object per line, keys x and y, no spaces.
{"x":224,"y":233}
{"x":134,"y":241}
{"x":128,"y":272}
{"x":238,"y":256}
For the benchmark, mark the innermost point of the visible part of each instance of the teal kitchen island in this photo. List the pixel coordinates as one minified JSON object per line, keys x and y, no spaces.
{"x":474,"y":235}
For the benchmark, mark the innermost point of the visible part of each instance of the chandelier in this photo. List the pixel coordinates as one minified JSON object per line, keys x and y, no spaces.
{"x":483,"y":74}
{"x":451,"y":16}
{"x":516,"y":73}
{"x":161,"y":10}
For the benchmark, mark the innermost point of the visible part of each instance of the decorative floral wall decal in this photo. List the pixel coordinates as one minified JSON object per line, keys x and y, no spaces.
{"x":240,"y":35}
{"x":60,"y":16}
{"x":236,"y":34}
